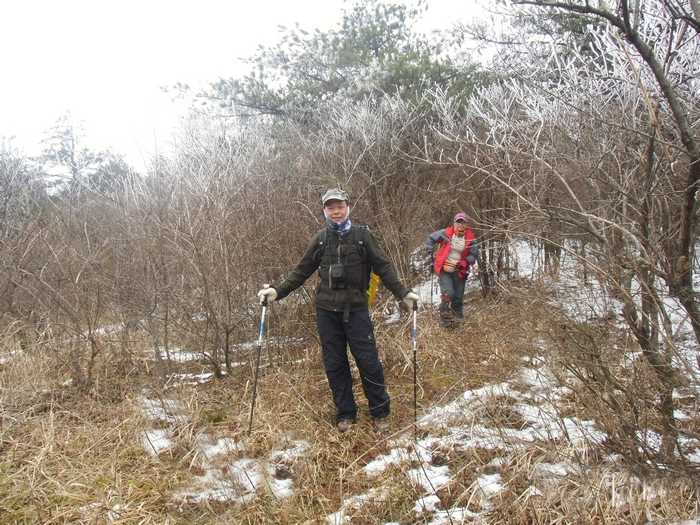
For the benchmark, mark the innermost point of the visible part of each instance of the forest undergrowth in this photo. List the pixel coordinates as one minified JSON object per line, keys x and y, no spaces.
{"x":71,"y":457}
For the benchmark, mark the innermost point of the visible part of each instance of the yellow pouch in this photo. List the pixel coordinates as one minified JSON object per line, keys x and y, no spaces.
{"x":372,"y":290}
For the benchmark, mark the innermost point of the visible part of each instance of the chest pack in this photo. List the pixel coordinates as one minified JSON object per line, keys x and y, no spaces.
{"x":370,"y":280}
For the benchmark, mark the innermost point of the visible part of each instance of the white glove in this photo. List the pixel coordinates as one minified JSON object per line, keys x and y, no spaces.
{"x":410,"y":298}
{"x":267,"y":293}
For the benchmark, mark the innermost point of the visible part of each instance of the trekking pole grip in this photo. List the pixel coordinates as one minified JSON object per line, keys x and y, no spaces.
{"x":262,"y":317}
{"x":264,"y":302}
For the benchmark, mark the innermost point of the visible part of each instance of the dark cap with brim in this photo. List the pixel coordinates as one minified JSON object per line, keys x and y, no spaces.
{"x":334,"y":194}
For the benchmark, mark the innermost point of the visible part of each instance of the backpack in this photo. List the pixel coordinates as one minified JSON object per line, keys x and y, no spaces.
{"x":370,"y":279}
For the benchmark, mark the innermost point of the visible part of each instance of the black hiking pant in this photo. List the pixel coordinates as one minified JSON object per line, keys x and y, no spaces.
{"x":358,"y":333}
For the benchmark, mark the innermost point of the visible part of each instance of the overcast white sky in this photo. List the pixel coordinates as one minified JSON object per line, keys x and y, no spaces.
{"x":105,"y":61}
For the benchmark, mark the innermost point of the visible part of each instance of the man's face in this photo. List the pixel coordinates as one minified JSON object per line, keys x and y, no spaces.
{"x":460,"y":227}
{"x":336,"y":210}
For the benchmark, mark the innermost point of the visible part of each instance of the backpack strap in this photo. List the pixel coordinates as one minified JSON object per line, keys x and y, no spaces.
{"x":360,"y":238}
{"x":322,"y":240}
{"x":360,"y":242}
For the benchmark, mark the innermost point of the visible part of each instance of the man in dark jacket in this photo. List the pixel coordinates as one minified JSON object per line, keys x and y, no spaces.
{"x":452,"y":260}
{"x":342,"y":314}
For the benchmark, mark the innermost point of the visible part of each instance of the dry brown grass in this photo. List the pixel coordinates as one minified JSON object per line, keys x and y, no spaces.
{"x":67,"y":458}
{"x":79,"y":458}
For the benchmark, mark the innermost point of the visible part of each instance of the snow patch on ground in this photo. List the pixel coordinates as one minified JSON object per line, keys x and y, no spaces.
{"x":531,"y":401}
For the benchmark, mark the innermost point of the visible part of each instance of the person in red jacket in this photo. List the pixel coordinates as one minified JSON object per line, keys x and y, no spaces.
{"x":453,"y":251}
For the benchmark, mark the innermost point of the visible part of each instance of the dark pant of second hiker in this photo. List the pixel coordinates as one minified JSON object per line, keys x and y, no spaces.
{"x":452,"y":290}
{"x":358,"y":333}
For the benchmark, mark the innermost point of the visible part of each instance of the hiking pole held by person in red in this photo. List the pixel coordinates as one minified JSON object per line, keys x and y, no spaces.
{"x":431,"y":270}
{"x":257,"y":363}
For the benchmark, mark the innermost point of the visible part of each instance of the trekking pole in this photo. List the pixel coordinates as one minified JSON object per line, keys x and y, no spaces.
{"x":415,"y":374}
{"x":432,"y":272}
{"x":432,"y":280}
{"x":257,"y":364}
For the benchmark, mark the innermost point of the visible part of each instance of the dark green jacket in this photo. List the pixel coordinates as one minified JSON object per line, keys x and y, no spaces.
{"x":334,"y":300}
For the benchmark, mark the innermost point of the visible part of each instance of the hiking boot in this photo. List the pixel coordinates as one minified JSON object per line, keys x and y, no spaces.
{"x":345,"y":424}
{"x":381,"y":424}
